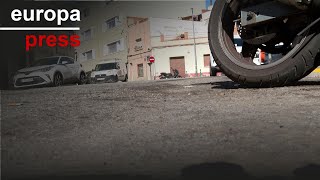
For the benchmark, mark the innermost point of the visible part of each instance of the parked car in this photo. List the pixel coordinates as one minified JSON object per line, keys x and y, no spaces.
{"x":109,"y":71}
{"x":55,"y":71}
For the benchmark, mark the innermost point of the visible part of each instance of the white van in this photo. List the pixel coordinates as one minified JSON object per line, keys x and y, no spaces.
{"x":109,"y":71}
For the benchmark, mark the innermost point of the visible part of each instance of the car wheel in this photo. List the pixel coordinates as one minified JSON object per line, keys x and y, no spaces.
{"x":57,"y":80}
{"x":82,"y":79}
{"x":116,"y":79}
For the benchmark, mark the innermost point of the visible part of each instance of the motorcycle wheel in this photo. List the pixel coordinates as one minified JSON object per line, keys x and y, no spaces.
{"x":300,"y":61}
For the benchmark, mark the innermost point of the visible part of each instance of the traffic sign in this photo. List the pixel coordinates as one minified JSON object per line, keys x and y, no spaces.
{"x":152,"y":59}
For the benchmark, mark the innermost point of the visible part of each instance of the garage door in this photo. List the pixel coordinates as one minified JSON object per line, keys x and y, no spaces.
{"x":179,"y":64}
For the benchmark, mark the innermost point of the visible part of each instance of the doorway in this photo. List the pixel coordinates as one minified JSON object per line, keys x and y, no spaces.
{"x":179,"y":64}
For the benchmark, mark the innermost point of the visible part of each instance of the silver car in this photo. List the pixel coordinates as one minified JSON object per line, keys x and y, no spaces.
{"x":54,"y":71}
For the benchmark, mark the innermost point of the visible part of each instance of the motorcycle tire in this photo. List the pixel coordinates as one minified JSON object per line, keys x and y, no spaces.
{"x":296,"y":64}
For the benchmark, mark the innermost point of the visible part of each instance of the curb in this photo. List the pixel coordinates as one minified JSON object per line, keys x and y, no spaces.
{"x":315,"y":73}
{"x":316,"y":70}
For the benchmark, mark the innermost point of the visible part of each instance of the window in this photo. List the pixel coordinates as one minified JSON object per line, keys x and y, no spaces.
{"x":87,"y":55}
{"x":45,"y":61}
{"x":87,"y":34}
{"x":138,"y":46}
{"x":107,"y":66}
{"x":113,"y":47}
{"x":140,"y":70}
{"x":68,"y":60}
{"x":113,"y":22}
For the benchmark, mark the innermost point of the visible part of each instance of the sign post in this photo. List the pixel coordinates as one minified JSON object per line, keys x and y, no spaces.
{"x":151,"y":61}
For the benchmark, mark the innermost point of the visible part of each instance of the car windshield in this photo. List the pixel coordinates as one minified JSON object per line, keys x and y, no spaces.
{"x":45,"y":61}
{"x":103,"y":67}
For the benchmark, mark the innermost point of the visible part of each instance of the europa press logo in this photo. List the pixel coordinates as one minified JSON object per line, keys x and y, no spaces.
{"x":37,"y":15}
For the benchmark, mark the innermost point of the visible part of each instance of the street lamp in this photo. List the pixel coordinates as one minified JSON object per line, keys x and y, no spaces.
{"x":194,"y":45}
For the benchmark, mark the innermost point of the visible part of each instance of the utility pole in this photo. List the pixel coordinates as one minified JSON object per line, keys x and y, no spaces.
{"x":194,"y":44}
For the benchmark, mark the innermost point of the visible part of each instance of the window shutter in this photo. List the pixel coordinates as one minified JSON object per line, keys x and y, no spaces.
{"x":118,"y":44}
{"x":122,"y":44}
{"x":80,"y":57}
{"x":93,"y":54}
{"x":118,"y":20}
{"x":105,"y":50}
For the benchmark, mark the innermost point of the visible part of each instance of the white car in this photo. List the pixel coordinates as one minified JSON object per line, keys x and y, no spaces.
{"x":109,"y":71}
{"x":55,"y":71}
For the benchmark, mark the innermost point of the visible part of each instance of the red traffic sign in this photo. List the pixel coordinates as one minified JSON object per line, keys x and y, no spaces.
{"x":151,"y":59}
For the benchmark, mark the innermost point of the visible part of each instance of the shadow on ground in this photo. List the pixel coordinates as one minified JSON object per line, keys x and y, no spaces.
{"x":220,"y":85}
{"x":228,"y":171}
{"x":205,"y":171}
{"x":233,"y":85}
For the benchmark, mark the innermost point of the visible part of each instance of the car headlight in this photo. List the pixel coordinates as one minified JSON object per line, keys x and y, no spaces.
{"x":46,"y":69}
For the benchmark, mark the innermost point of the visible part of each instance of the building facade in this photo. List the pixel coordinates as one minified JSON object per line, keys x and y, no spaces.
{"x":171,"y":43}
{"x":104,"y":26}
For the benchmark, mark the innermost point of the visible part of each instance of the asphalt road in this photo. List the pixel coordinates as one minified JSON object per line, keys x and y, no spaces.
{"x":177,"y":129}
